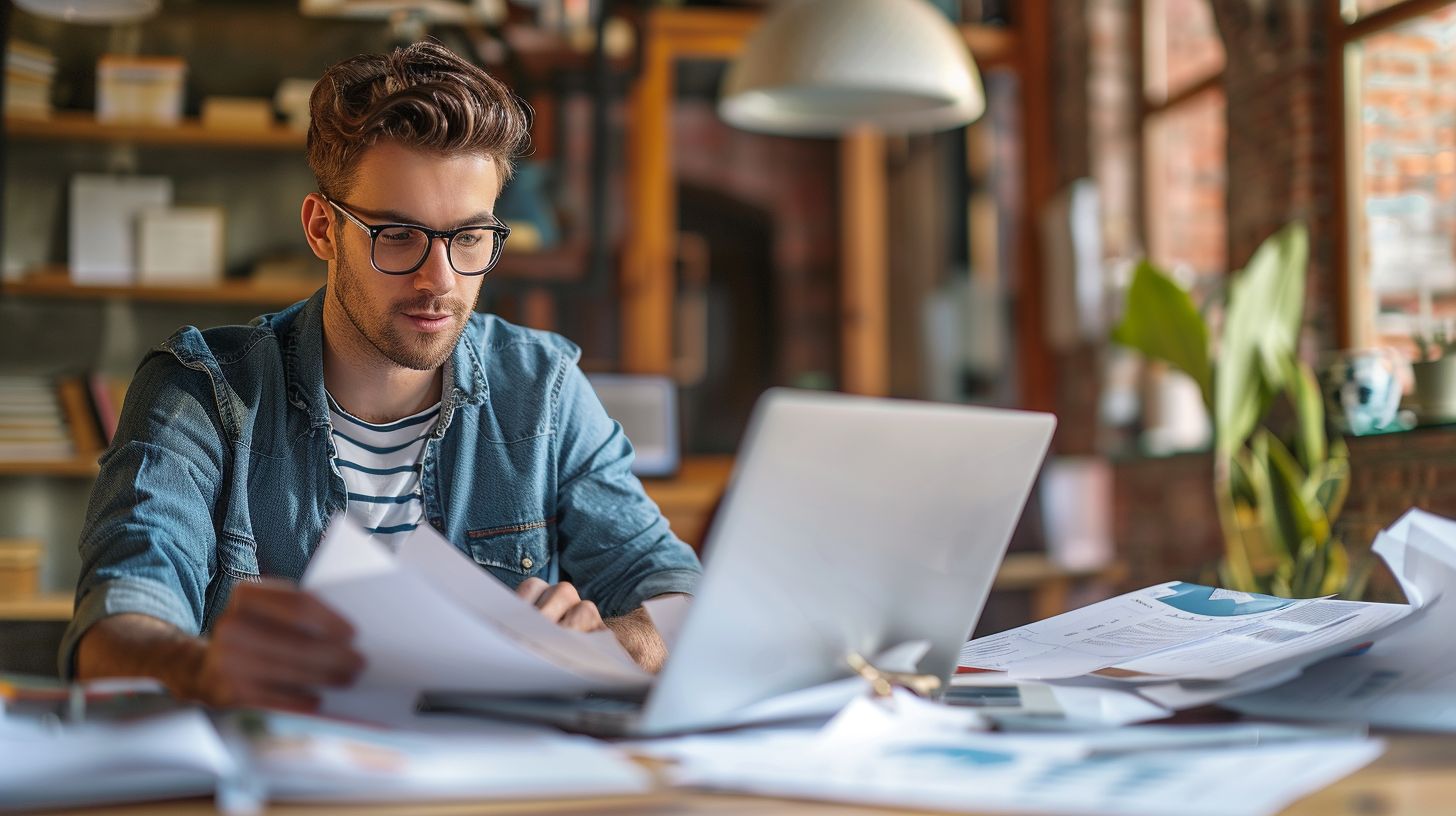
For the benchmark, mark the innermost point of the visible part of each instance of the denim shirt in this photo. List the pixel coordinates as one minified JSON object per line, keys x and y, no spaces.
{"x":222,"y":471}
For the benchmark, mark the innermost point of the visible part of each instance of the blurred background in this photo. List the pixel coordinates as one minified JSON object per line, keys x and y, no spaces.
{"x":153,"y":169}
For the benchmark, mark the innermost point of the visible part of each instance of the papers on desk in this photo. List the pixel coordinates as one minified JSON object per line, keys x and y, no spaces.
{"x":902,"y":755}
{"x":167,"y":756}
{"x":1143,"y":655}
{"x":309,"y":759}
{"x":1407,"y":679}
{"x":428,"y":618}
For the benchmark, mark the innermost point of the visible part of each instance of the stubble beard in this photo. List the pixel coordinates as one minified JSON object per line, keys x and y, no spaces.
{"x":420,"y":352}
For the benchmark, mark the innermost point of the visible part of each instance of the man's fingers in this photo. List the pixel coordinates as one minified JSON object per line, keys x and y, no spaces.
{"x":584,"y":617}
{"x":286,"y":607}
{"x":531,"y":589}
{"x":556,"y":601}
{"x":288,"y":659}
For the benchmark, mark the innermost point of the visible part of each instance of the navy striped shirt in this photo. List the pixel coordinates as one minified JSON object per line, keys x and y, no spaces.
{"x":381,"y":469}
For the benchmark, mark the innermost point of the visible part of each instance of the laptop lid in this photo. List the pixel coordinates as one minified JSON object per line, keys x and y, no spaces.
{"x":850,"y":524}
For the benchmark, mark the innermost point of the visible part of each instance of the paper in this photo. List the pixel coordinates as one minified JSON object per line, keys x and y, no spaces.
{"x":310,"y":759}
{"x":1180,"y":631}
{"x":1119,"y":773}
{"x":1408,"y":678}
{"x":166,"y":756}
{"x":430,"y":619}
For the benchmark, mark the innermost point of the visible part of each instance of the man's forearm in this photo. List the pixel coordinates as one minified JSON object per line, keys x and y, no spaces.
{"x":134,"y":645}
{"x":640,"y":638}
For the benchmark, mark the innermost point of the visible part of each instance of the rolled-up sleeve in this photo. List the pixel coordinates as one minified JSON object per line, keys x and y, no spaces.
{"x":148,"y":545}
{"x":615,"y":544}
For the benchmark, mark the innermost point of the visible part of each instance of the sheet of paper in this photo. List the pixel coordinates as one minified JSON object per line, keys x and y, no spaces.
{"x":311,"y":759}
{"x":165,"y":756}
{"x":418,"y":630}
{"x":1177,"y":630}
{"x":995,"y":772}
{"x":1406,"y":679}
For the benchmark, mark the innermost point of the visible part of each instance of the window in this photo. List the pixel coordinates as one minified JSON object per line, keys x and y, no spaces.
{"x":1185,"y":142}
{"x":1400,"y":177}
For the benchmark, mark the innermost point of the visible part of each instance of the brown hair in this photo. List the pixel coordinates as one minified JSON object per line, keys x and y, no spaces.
{"x":422,"y":96}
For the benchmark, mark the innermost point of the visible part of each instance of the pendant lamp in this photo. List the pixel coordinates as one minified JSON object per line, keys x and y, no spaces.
{"x":822,"y":67}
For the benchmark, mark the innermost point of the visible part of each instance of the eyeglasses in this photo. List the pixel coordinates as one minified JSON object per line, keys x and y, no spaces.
{"x":400,"y":249}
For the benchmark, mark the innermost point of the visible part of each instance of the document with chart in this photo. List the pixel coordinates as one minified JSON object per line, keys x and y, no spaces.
{"x":1180,"y":631}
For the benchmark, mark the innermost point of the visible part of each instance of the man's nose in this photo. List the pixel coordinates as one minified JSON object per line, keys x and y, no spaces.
{"x":435,"y":275}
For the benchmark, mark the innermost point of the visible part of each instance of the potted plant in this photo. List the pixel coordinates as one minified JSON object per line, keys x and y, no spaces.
{"x":1435,"y":375}
{"x":1278,"y":496}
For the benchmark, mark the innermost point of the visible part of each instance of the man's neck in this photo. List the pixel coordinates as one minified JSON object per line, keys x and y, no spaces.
{"x":367,"y":384}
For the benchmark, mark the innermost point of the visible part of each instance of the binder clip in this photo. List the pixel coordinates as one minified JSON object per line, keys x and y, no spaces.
{"x":883,"y":682}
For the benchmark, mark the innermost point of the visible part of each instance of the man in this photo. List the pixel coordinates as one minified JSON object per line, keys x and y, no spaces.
{"x":385,"y":396}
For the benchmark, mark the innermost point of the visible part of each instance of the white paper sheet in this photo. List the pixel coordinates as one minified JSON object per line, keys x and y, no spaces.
{"x":166,"y":756}
{"x":1179,"y":631}
{"x":429,"y":619}
{"x":1408,"y":678}
{"x":973,"y":772}
{"x":310,"y":759}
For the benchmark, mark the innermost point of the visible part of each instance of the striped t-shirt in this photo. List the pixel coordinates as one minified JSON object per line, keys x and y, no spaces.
{"x":381,"y":469}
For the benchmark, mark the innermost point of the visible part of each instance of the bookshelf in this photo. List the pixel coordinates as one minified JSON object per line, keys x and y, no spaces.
{"x":54,"y":282}
{"x":81,"y":126}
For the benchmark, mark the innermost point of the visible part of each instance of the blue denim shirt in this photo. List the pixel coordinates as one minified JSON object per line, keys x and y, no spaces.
{"x":222,"y":471}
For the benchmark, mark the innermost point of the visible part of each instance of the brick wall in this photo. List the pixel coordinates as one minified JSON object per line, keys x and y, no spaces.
{"x":1280,"y":152}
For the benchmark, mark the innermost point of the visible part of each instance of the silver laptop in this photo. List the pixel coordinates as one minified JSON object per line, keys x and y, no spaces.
{"x":850,"y":525}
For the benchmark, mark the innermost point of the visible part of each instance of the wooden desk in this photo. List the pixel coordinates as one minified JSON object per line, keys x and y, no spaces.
{"x":1415,"y":777}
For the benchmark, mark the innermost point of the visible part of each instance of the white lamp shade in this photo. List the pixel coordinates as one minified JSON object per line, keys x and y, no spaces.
{"x":93,"y":12}
{"x":821,"y":67}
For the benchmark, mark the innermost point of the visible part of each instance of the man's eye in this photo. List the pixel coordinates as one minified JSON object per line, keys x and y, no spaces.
{"x":468,"y":239}
{"x":398,"y":236}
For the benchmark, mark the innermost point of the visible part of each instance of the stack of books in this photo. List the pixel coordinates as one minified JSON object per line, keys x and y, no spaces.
{"x":29,"y":73}
{"x":33,"y":426}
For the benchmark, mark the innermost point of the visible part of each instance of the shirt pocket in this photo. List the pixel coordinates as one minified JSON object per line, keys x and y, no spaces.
{"x":513,"y":552}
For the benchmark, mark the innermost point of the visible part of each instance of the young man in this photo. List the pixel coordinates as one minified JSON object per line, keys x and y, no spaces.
{"x":384,"y":396}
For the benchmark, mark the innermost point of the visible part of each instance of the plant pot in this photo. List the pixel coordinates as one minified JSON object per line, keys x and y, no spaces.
{"x":1435,"y":393}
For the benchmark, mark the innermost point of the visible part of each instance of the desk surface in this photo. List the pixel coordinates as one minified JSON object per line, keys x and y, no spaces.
{"x":1416,"y":776}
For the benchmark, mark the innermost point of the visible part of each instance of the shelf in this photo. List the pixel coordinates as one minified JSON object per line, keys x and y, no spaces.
{"x":80,"y":468}
{"x":54,"y":282}
{"x":55,"y":607}
{"x":992,"y":46}
{"x":81,"y":126}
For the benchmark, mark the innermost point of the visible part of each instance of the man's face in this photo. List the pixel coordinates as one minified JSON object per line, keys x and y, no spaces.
{"x":413,"y":320}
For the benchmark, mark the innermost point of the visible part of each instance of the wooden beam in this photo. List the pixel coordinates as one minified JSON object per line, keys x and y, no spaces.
{"x":1038,"y":374}
{"x":864,"y":308}
{"x":1382,"y":20}
{"x":648,"y":282}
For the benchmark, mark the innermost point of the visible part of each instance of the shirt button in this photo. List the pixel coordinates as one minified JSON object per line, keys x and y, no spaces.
{"x":526,"y":563}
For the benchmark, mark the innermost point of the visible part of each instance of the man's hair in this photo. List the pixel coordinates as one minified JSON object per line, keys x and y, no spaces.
{"x":423,"y":97}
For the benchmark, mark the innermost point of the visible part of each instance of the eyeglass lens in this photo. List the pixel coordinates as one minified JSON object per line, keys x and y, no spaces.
{"x":401,"y":249}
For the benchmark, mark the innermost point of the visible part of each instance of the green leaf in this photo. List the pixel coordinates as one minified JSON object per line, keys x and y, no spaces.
{"x":1161,"y":322}
{"x":1261,"y":330}
{"x":1309,"y":411}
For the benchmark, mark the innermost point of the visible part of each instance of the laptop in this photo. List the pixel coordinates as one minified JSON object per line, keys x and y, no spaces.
{"x":850,"y":525}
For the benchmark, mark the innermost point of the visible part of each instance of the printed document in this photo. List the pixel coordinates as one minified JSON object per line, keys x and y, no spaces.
{"x":1407,"y":679}
{"x":1213,"y":771}
{"x":429,"y":619}
{"x":1180,"y":631}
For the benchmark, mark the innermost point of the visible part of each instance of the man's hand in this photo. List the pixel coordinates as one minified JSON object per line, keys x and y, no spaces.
{"x":275,"y":646}
{"x":561,"y":603}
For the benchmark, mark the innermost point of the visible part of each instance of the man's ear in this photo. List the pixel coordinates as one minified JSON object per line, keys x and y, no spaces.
{"x":318,"y":226}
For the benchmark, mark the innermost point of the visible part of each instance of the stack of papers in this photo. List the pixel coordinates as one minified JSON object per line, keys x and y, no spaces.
{"x":906,"y":752}
{"x":428,"y":618}
{"x":1141,"y":655}
{"x":250,"y":758}
{"x":1406,"y":679}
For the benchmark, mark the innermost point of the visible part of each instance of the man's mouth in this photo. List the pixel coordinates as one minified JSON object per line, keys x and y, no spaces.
{"x":429,"y":321}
